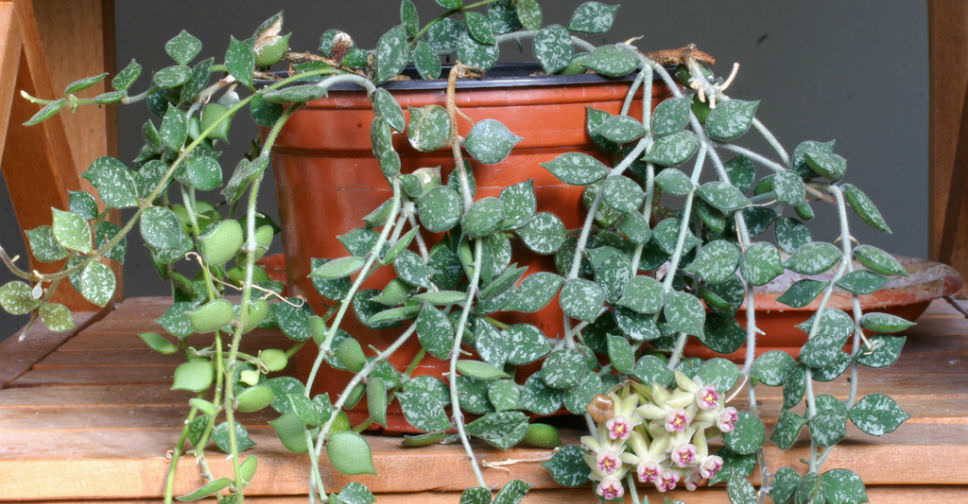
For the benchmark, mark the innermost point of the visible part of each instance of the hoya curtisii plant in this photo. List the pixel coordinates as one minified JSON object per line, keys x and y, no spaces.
{"x":675,"y":239}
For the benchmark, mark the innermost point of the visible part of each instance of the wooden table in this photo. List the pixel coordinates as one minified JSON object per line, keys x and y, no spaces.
{"x":89,"y":416}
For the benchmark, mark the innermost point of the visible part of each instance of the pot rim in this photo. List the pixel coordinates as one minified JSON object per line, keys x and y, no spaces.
{"x":501,"y":75}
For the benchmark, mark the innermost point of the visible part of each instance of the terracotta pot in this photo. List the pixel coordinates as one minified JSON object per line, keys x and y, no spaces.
{"x":327,"y":180}
{"x":905,"y":297}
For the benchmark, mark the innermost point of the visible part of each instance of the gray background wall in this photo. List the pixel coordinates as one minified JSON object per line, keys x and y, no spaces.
{"x":852,"y":71}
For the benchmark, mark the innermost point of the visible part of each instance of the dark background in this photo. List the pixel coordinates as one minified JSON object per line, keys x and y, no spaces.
{"x":851,"y":71}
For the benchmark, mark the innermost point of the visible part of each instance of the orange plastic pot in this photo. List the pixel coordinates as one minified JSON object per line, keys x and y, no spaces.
{"x":327,"y":180}
{"x":906,"y":297}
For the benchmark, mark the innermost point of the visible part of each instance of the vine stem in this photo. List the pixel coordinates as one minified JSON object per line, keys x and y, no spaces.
{"x":475,"y":280}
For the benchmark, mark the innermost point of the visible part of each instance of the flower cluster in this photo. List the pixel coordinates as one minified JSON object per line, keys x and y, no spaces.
{"x":657,"y":433}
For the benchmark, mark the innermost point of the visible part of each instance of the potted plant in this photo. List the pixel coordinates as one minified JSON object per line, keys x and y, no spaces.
{"x":660,"y":235}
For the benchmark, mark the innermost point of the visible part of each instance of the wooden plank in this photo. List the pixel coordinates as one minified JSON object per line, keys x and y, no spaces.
{"x":878,"y":495}
{"x":131,"y":463}
{"x":59,"y":396}
{"x":10,"y":48}
{"x":19,"y":355}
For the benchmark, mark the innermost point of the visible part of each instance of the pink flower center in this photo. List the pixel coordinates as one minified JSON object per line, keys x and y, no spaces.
{"x":684,"y":455}
{"x":667,"y":481}
{"x":608,"y":463}
{"x":610,"y":489}
{"x":727,"y":420}
{"x":648,"y":472}
{"x":708,"y":398}
{"x":618,"y":428}
{"x":710,"y":466}
{"x":677,"y":421}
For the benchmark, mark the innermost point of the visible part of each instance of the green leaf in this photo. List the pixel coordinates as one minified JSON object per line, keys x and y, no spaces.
{"x":82,"y":84}
{"x":376,"y":400}
{"x":829,"y":424}
{"x":535,"y":292}
{"x":429,"y":128}
{"x":392,"y":53}
{"x":525,"y":344}
{"x":673,"y":149}
{"x":263,"y":112}
{"x":652,"y":369}
{"x":16,"y":298}
{"x":635,"y":227}
{"x":349,"y":453}
{"x":577,"y":398}
{"x":740,"y":490}
{"x":46,"y":112}
{"x":643,"y":294}
{"x":610,"y":60}
{"x":440,"y":209}
{"x":295,"y":94}
{"x":621,"y":354}
{"x":294,"y":321}
{"x":203,"y":173}
{"x":479,"y":27}
{"x":291,"y":431}
{"x":886,"y":350}
{"x":97,"y":283}
{"x":576,"y":168}
{"x":719,"y":373}
{"x":476,"y":54}
{"x":809,"y":490}
{"x":787,"y":429}
{"x":674,"y":182}
{"x":423,"y":411}
{"x":504,"y":395}
{"x":194,"y":376}
{"x":563,"y":369}
{"x":537,"y":397}
{"x":878,"y":260}
{"x":512,"y":493}
{"x":553,"y":48}
{"x":502,"y":429}
{"x":519,"y":204}
{"x":442,"y":298}
{"x":865,"y":208}
{"x":826,"y":164}
{"x":835,"y":327}
{"x":529,"y":14}
{"x":544,"y":233}
{"x":472,"y":395}
{"x":245,"y":173}
{"x":789,"y":188}
{"x":83,"y":204}
{"x":172,"y":77}
{"x":814,"y":258}
{"x":158,"y":343}
{"x":43,"y":245}
{"x":444,"y":35}
{"x":723,"y":196}
{"x":114,"y":181}
{"x":772,"y":367}
{"x":785,"y":482}
{"x":582,"y":299}
{"x":183,"y":47}
{"x":684,"y":313}
{"x":126,"y":77}
{"x":802,"y":293}
{"x":490,"y":141}
{"x":877,"y":414}
{"x":71,"y":231}
{"x":612,"y":270}
{"x":733,"y":464}
{"x":386,"y":106}
{"x":671,"y":115}
{"x":593,"y":17}
{"x":623,"y":194}
{"x":731,"y":119}
{"x":338,"y":268}
{"x":56,"y":317}
{"x":620,"y":129}
{"x":240,"y":60}
{"x":435,"y":331}
{"x":812,"y":147}
{"x":426,"y":60}
{"x":716,"y":262}
{"x":748,"y":435}
{"x":409,"y":17}
{"x":450,"y":4}
{"x":174,"y":128}
{"x":666,"y":236}
{"x":791,"y":234}
{"x":476,"y":495}
{"x":412,"y":269}
{"x":568,"y":467}
{"x":160,"y":228}
{"x":354,"y":493}
{"x":206,"y":490}
{"x":843,"y":486}
{"x":861,"y":282}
